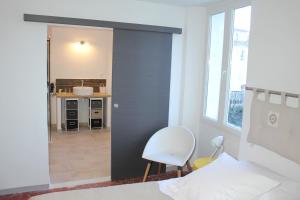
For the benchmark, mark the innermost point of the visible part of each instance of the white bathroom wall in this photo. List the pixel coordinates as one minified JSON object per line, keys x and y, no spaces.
{"x":23,"y":102}
{"x":274,"y":65}
{"x":69,"y":60}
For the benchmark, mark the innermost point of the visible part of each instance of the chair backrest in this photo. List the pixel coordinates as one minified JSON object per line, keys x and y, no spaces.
{"x":218,"y":144}
{"x":173,"y":140}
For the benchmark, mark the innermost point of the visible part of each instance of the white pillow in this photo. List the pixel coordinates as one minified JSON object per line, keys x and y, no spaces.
{"x":224,"y":179}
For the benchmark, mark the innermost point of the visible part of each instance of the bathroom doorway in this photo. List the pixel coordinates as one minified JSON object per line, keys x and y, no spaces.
{"x":80,"y":136}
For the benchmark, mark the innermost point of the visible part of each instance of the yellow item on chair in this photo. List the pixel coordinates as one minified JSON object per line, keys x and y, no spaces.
{"x":201,"y":162}
{"x":216,"y":142}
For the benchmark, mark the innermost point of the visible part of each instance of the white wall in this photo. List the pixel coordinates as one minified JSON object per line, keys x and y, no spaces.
{"x":92,"y":61}
{"x":273,"y":64}
{"x":194,"y":57}
{"x":193,"y":87}
{"x":176,"y":80}
{"x":23,"y":105}
{"x":23,"y":147}
{"x":23,"y":115}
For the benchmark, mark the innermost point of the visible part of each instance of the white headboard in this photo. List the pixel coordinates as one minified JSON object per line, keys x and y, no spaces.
{"x":260,"y":155}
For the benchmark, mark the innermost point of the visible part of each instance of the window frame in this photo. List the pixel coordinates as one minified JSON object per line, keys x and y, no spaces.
{"x":207,"y":58}
{"x":228,"y":9}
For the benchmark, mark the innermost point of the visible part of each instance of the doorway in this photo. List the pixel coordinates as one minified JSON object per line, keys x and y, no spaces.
{"x":79,"y":149}
{"x":141,"y":74}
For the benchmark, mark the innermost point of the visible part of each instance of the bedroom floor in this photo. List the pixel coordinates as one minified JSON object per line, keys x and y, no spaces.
{"x":79,"y":155}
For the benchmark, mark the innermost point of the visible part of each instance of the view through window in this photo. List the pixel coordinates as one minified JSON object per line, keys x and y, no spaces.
{"x":238,"y":66}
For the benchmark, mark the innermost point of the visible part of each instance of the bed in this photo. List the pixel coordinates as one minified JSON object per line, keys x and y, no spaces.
{"x":227,"y":178}
{"x":138,"y":191}
{"x":281,"y":188}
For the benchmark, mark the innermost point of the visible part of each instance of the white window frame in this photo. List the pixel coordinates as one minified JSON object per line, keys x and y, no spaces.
{"x":208,"y":43}
{"x":228,"y":9}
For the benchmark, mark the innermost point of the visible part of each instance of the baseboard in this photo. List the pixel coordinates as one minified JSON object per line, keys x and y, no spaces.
{"x":25,"y":189}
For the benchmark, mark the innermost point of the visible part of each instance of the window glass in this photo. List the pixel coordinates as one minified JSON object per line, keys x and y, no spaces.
{"x":238,"y":67}
{"x":215,"y":65}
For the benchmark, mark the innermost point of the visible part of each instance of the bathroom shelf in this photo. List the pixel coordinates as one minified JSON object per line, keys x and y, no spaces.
{"x":96,"y":113}
{"x":71,"y":113}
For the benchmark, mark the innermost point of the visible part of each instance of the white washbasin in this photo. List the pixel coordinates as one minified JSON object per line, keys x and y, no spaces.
{"x":83,"y":91}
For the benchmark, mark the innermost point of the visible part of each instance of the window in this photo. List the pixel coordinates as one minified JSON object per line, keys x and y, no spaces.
{"x":215,"y":65}
{"x":224,"y":98}
{"x":238,"y":67}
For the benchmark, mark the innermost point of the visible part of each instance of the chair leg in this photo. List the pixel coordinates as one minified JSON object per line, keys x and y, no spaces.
{"x":178,"y":171}
{"x":147,"y":171}
{"x":159,"y":169}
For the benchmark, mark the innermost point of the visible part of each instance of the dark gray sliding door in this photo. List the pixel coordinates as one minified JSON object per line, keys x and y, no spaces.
{"x":140,"y":96}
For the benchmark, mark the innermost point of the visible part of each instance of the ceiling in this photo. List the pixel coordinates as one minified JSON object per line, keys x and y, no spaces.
{"x":184,"y":2}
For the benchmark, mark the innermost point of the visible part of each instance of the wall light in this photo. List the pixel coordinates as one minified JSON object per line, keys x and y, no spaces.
{"x":81,"y":47}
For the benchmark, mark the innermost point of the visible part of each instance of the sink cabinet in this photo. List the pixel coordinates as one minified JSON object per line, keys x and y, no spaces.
{"x":68,"y":110}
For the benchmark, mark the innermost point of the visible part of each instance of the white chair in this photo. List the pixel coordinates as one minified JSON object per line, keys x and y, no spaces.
{"x":171,"y":146}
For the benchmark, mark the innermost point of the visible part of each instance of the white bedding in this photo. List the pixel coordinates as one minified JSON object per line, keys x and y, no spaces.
{"x":286,"y":190}
{"x":138,"y":191}
{"x":224,"y":179}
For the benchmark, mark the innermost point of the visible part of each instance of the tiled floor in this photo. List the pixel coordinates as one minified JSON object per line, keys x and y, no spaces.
{"x":79,"y":155}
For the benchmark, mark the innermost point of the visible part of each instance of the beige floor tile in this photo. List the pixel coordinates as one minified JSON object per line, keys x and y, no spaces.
{"x":79,"y":155}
